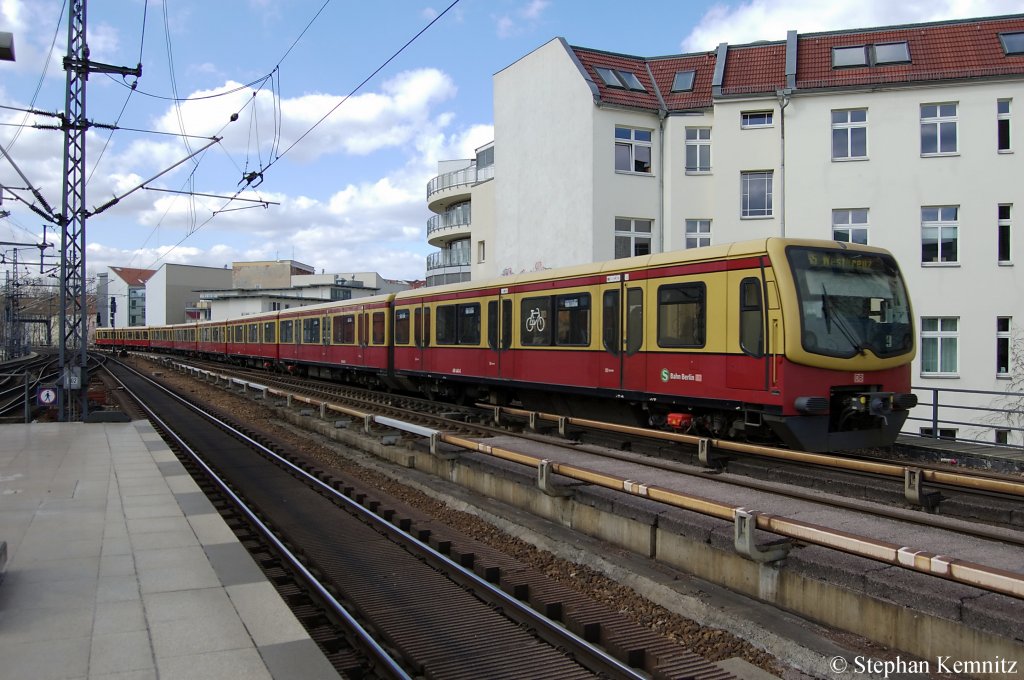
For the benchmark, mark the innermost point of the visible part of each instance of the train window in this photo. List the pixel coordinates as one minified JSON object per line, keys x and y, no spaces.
{"x":751,"y":317}
{"x":269,"y":332}
{"x":238,"y":334}
{"x":191,"y":335}
{"x":345,"y":329}
{"x":469,"y":324}
{"x":379,"y":337}
{"x":447,"y":321}
{"x":422,"y":323}
{"x":402,"y":327}
{"x":504,"y":321}
{"x":610,"y":321}
{"x":681,"y":315}
{"x":535,"y":321}
{"x":287,"y":331}
{"x":634,"y":320}
{"x":311,"y":330}
{"x":572,"y":319}
{"x":254,"y":333}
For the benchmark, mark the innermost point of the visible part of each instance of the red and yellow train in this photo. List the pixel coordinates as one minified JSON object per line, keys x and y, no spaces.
{"x":799,"y":341}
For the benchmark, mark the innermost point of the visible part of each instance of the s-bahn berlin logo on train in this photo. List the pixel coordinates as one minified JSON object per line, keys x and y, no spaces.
{"x":667,"y":375}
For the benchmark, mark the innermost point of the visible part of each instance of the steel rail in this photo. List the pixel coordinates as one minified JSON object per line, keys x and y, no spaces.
{"x":376,"y":650}
{"x":973,"y":482}
{"x":596,"y":657}
{"x":961,"y":571}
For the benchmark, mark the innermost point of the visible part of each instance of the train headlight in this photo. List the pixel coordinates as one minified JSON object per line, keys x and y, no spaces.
{"x":814,"y":406}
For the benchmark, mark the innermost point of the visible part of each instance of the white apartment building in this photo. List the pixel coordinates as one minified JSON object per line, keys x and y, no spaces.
{"x":905,"y":137}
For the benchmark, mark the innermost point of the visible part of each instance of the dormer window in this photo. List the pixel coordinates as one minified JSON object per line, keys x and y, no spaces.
{"x":1013,"y":43}
{"x":683,"y":81}
{"x":625,"y":80}
{"x":892,"y":53}
{"x":843,"y":57}
{"x":871,"y":55}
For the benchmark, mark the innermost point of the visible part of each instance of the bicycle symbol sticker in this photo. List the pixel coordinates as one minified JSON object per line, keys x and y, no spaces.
{"x":535,"y":322}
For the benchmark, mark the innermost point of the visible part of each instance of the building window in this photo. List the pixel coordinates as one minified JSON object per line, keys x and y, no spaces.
{"x":938,"y":129}
{"x":939,"y":236}
{"x":632,"y":150}
{"x":849,"y":134}
{"x":1003,"y":346}
{"x":890,"y":53}
{"x":757,"y":193}
{"x":939,"y":353}
{"x":698,"y":149}
{"x":1003,"y":124}
{"x":755,"y":119}
{"x":1013,"y":43}
{"x":481,"y":251}
{"x":698,"y":233}
{"x":856,"y":55}
{"x":683,"y":81}
{"x":1003,"y":238}
{"x":1002,"y":436}
{"x":632,"y":237}
{"x":850,"y":225}
{"x":625,"y":80}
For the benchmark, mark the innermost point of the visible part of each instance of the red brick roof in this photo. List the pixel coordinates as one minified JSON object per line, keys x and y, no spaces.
{"x":938,"y":51}
{"x":133,"y":277}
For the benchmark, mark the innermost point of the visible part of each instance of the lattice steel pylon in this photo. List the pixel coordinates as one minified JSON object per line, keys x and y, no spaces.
{"x":73,"y":302}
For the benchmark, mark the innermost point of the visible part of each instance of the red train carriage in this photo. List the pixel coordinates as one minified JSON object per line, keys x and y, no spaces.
{"x":211,"y":338}
{"x":345,"y":340}
{"x":719,"y":340}
{"x":251,"y":340}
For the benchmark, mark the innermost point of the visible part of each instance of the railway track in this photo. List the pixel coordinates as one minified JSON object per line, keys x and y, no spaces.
{"x":945,"y":492}
{"x":444,"y":606}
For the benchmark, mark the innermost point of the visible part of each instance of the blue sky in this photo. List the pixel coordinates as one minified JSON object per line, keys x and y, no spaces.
{"x":348,"y":193}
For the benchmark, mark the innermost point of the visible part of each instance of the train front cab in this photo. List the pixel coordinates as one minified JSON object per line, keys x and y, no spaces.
{"x":845,"y":373}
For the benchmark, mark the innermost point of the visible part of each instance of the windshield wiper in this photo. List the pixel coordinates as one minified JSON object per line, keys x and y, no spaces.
{"x":828,"y":311}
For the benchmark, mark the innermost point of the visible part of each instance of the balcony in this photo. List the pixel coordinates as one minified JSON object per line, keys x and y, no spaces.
{"x":453,"y":223}
{"x":450,"y":187}
{"x":447,"y":258}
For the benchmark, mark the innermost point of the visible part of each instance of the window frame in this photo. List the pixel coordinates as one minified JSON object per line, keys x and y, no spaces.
{"x":939,"y":225}
{"x":697,"y":144}
{"x":746,"y":178}
{"x":683,"y":81}
{"x":748,"y":119}
{"x":939,"y":337}
{"x":1004,"y":141}
{"x":1004,"y":347}
{"x":940,"y":121}
{"x":849,"y":225}
{"x":632,"y":143}
{"x":1004,"y":233}
{"x":699,"y":317}
{"x":1012,"y":42}
{"x":634,"y":235}
{"x":696,"y":234}
{"x":569,"y":322}
{"x":848,"y":129}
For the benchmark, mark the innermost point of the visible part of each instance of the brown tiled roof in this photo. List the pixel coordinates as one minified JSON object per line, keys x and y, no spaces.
{"x":615,"y":95}
{"x":755,"y":68}
{"x":133,"y":277}
{"x":941,"y":51}
{"x":703,"y":66}
{"x":938,"y":51}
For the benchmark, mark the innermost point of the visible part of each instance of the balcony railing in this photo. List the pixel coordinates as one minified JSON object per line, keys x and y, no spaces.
{"x":447,"y":258}
{"x":459,"y":217}
{"x":451,"y":179}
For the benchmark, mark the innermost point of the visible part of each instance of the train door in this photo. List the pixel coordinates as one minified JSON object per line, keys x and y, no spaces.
{"x":421,"y":336}
{"x":748,"y":331}
{"x":325,"y":338}
{"x":499,"y":334}
{"x":363,"y":336}
{"x":622,"y":364}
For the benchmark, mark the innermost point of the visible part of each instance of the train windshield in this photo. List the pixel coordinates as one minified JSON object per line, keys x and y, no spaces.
{"x":851,"y":302}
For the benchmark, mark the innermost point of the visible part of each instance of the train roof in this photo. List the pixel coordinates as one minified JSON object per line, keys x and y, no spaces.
{"x":726,"y":251}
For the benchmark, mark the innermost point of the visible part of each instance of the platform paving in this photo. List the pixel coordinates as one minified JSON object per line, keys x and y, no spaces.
{"x":119,"y":567}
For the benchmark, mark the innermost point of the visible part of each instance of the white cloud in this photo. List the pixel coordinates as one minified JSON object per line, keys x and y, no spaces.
{"x":526,"y":16}
{"x":738,"y":23}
